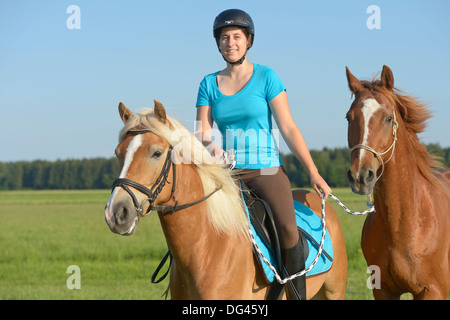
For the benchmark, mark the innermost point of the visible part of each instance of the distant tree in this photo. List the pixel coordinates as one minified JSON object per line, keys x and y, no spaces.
{"x":98,"y":173}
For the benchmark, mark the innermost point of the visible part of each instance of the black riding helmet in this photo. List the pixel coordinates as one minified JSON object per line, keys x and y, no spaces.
{"x":234,"y":17}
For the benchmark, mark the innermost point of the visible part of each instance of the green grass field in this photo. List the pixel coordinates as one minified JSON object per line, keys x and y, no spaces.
{"x":42,"y":233}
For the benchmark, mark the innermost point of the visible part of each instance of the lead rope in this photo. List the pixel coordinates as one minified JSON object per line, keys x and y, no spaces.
{"x":355,"y":213}
{"x":322,"y":241}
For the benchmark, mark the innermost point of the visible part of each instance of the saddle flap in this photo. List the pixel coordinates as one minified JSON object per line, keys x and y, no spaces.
{"x":262,"y":220}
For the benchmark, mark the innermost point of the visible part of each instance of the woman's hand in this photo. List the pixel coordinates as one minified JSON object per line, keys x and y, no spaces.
{"x":229,"y":158}
{"x":319,"y":185}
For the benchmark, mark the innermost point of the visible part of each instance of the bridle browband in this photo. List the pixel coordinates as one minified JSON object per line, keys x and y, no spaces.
{"x":157,"y":187}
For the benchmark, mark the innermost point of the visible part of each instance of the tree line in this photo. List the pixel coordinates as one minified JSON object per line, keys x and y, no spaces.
{"x":98,"y":173}
{"x":333,"y":164}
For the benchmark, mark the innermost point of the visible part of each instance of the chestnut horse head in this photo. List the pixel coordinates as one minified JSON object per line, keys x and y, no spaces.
{"x":372,"y":130}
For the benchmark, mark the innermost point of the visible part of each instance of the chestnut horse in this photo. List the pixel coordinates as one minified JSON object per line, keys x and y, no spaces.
{"x":165,"y":169}
{"x":408,"y":235}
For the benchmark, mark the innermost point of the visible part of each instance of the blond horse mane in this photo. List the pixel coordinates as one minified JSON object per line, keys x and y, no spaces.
{"x":226,"y":210}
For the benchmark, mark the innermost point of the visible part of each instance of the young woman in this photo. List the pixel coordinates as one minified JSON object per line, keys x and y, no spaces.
{"x":241,"y":99}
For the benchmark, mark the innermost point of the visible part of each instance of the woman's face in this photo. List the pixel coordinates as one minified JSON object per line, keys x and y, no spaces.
{"x":233,"y":43}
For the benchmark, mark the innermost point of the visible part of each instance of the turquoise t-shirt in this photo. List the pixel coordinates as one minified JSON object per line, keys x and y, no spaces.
{"x":245,"y":119}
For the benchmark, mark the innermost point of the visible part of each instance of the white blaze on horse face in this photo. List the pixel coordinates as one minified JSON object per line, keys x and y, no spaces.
{"x":370,"y":106}
{"x":131,"y":150}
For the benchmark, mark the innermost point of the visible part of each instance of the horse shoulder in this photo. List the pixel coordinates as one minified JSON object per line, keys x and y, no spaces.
{"x":433,"y":218}
{"x":373,"y":245}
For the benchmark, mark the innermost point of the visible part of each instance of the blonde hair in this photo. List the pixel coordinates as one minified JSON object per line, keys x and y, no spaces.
{"x":226,"y":210}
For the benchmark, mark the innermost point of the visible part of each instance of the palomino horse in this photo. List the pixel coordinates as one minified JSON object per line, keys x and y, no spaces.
{"x":164,"y":168}
{"x":408,"y":235}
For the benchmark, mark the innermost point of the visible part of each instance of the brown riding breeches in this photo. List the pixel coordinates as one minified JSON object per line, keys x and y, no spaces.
{"x":272,"y":185}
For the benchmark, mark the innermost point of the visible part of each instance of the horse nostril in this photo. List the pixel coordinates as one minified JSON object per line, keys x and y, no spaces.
{"x":370,"y":176}
{"x":350,"y":178}
{"x":122,"y":215}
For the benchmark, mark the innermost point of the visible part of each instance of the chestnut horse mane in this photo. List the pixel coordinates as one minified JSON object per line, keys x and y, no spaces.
{"x":414,"y":115}
{"x":226,"y":210}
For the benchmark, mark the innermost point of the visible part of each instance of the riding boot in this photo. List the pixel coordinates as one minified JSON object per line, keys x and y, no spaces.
{"x":294,"y":262}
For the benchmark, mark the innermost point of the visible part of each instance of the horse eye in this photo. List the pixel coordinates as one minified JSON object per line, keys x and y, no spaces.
{"x":389,"y":119}
{"x":156,"y":154}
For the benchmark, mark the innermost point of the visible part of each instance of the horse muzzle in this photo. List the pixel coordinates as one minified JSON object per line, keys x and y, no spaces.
{"x":121,"y":217}
{"x":362,"y":181}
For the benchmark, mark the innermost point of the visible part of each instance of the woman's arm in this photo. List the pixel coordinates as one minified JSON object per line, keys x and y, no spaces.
{"x":204,"y":130}
{"x":295,"y":141}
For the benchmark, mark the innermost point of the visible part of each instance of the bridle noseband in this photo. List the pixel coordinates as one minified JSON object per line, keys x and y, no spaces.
{"x":379,"y":154}
{"x":157,"y":187}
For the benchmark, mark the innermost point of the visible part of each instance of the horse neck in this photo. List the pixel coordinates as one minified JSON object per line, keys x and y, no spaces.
{"x":198,"y":250}
{"x":396,"y":191}
{"x":185,"y":229}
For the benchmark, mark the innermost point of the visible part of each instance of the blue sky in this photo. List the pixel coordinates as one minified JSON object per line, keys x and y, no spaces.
{"x":59,"y":88}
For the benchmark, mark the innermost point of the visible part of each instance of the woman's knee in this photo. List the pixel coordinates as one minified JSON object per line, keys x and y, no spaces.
{"x":287,"y":234}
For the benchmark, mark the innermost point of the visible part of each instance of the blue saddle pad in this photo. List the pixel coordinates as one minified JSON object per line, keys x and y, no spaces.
{"x":311,"y":226}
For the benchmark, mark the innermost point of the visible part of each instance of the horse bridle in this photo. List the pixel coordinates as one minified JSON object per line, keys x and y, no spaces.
{"x":379,"y":154}
{"x":157,"y":187}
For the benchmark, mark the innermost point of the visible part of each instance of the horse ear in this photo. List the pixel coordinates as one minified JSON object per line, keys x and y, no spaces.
{"x":353,"y":83}
{"x":387,"y":78}
{"x":124,"y":113}
{"x":160,"y":112}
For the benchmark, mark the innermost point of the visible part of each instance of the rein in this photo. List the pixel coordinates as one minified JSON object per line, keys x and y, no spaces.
{"x":157,"y":187}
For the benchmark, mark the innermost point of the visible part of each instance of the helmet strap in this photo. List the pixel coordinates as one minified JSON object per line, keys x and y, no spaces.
{"x":237,"y":62}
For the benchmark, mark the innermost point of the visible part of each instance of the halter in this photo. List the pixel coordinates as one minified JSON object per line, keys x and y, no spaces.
{"x":379,"y":154}
{"x":157,"y":187}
